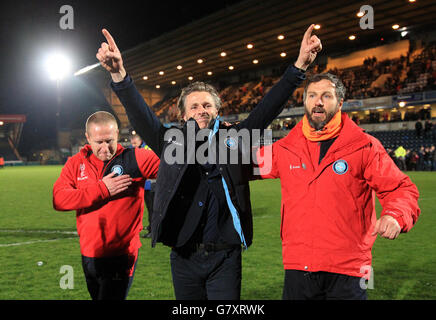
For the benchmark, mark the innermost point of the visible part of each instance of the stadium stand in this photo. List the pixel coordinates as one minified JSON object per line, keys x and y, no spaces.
{"x":390,"y":82}
{"x":412,"y":73}
{"x":6,"y":151}
{"x":406,"y":138}
{"x":10,"y":134}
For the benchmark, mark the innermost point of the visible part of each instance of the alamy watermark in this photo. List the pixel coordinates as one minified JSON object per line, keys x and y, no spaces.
{"x":367,"y":20}
{"x":367,"y":280}
{"x":66,"y":22}
{"x":233,"y":146}
{"x":67,"y":280}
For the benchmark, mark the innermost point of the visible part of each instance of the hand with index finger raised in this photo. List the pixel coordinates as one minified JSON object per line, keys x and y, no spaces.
{"x":110,"y":57}
{"x":310,"y":46}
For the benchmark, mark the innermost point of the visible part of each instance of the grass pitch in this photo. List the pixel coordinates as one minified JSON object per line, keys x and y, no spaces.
{"x":31,"y":231}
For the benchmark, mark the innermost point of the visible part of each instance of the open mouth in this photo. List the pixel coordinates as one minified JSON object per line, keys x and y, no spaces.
{"x":317,"y":112}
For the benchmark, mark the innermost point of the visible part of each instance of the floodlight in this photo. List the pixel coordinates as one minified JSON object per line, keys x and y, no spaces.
{"x":58,"y":66}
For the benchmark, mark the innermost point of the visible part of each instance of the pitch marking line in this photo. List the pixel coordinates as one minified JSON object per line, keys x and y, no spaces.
{"x":31,"y":242}
{"x":36,"y":231}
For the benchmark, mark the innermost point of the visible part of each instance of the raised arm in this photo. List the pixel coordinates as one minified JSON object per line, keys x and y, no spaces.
{"x":110,"y":58}
{"x":140,"y":115}
{"x":274,"y":101}
{"x":309,"y":48}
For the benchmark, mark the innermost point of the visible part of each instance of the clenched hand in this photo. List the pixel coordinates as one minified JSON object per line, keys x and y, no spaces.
{"x":387,"y":227}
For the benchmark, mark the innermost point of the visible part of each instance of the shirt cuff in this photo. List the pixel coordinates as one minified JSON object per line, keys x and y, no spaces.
{"x":301,"y":70}
{"x":127,"y":81}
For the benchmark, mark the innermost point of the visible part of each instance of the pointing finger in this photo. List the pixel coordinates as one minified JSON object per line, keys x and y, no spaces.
{"x":109,"y":39}
{"x":109,"y":176}
{"x":308,"y":33}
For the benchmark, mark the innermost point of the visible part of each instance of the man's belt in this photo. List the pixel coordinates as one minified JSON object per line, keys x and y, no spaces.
{"x":213,"y":247}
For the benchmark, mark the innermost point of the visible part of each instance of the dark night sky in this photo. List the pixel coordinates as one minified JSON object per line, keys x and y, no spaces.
{"x":29,"y":30}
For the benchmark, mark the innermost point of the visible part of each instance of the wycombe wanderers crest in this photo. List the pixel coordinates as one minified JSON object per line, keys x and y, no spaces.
{"x":231,"y":143}
{"x":118,"y":170}
{"x":340,"y":166}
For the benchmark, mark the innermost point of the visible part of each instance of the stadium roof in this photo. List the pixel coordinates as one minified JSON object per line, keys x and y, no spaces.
{"x":260,"y":23}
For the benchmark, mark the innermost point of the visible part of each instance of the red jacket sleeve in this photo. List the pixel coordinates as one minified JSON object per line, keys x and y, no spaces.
{"x":397,"y":194}
{"x":148,"y":162}
{"x":66,"y":195}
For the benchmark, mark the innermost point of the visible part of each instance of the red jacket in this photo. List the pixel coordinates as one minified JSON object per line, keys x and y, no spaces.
{"x":328,"y":209}
{"x":107,"y":226}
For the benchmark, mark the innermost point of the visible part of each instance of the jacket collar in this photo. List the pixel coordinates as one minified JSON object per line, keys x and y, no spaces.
{"x":210,"y":126}
{"x":351,"y":136}
{"x":350,"y":139}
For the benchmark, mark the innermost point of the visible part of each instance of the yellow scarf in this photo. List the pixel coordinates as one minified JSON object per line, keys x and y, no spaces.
{"x":331,"y":129}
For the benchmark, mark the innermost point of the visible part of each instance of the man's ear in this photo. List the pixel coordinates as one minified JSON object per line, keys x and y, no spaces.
{"x":340,"y":104}
{"x":87,"y":137}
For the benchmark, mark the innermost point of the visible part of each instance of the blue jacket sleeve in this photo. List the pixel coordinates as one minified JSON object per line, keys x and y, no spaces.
{"x":140,"y":115}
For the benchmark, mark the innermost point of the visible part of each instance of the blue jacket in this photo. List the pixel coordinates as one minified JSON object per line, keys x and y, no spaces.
{"x":177,"y":183}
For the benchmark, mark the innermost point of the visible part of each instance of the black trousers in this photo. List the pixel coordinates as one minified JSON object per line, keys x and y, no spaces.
{"x":148,"y":198}
{"x":302,"y":285}
{"x":207,"y":275}
{"x":108,"y":278}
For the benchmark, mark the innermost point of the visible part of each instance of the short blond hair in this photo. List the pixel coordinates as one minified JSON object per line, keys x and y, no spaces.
{"x":100,"y":117}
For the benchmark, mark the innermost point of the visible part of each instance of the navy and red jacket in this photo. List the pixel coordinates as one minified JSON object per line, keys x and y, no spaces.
{"x":107,"y":226}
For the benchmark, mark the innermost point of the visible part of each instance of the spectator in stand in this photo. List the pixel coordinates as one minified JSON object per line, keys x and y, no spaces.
{"x":428,"y":159}
{"x":408,"y":155}
{"x":400,"y":156}
{"x":413,"y":160}
{"x":137,"y":142}
{"x":418,"y":128}
{"x":390,"y":152}
{"x":427,"y":128}
{"x":421,"y":155}
{"x":433,"y":158}
{"x":355,"y":118}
